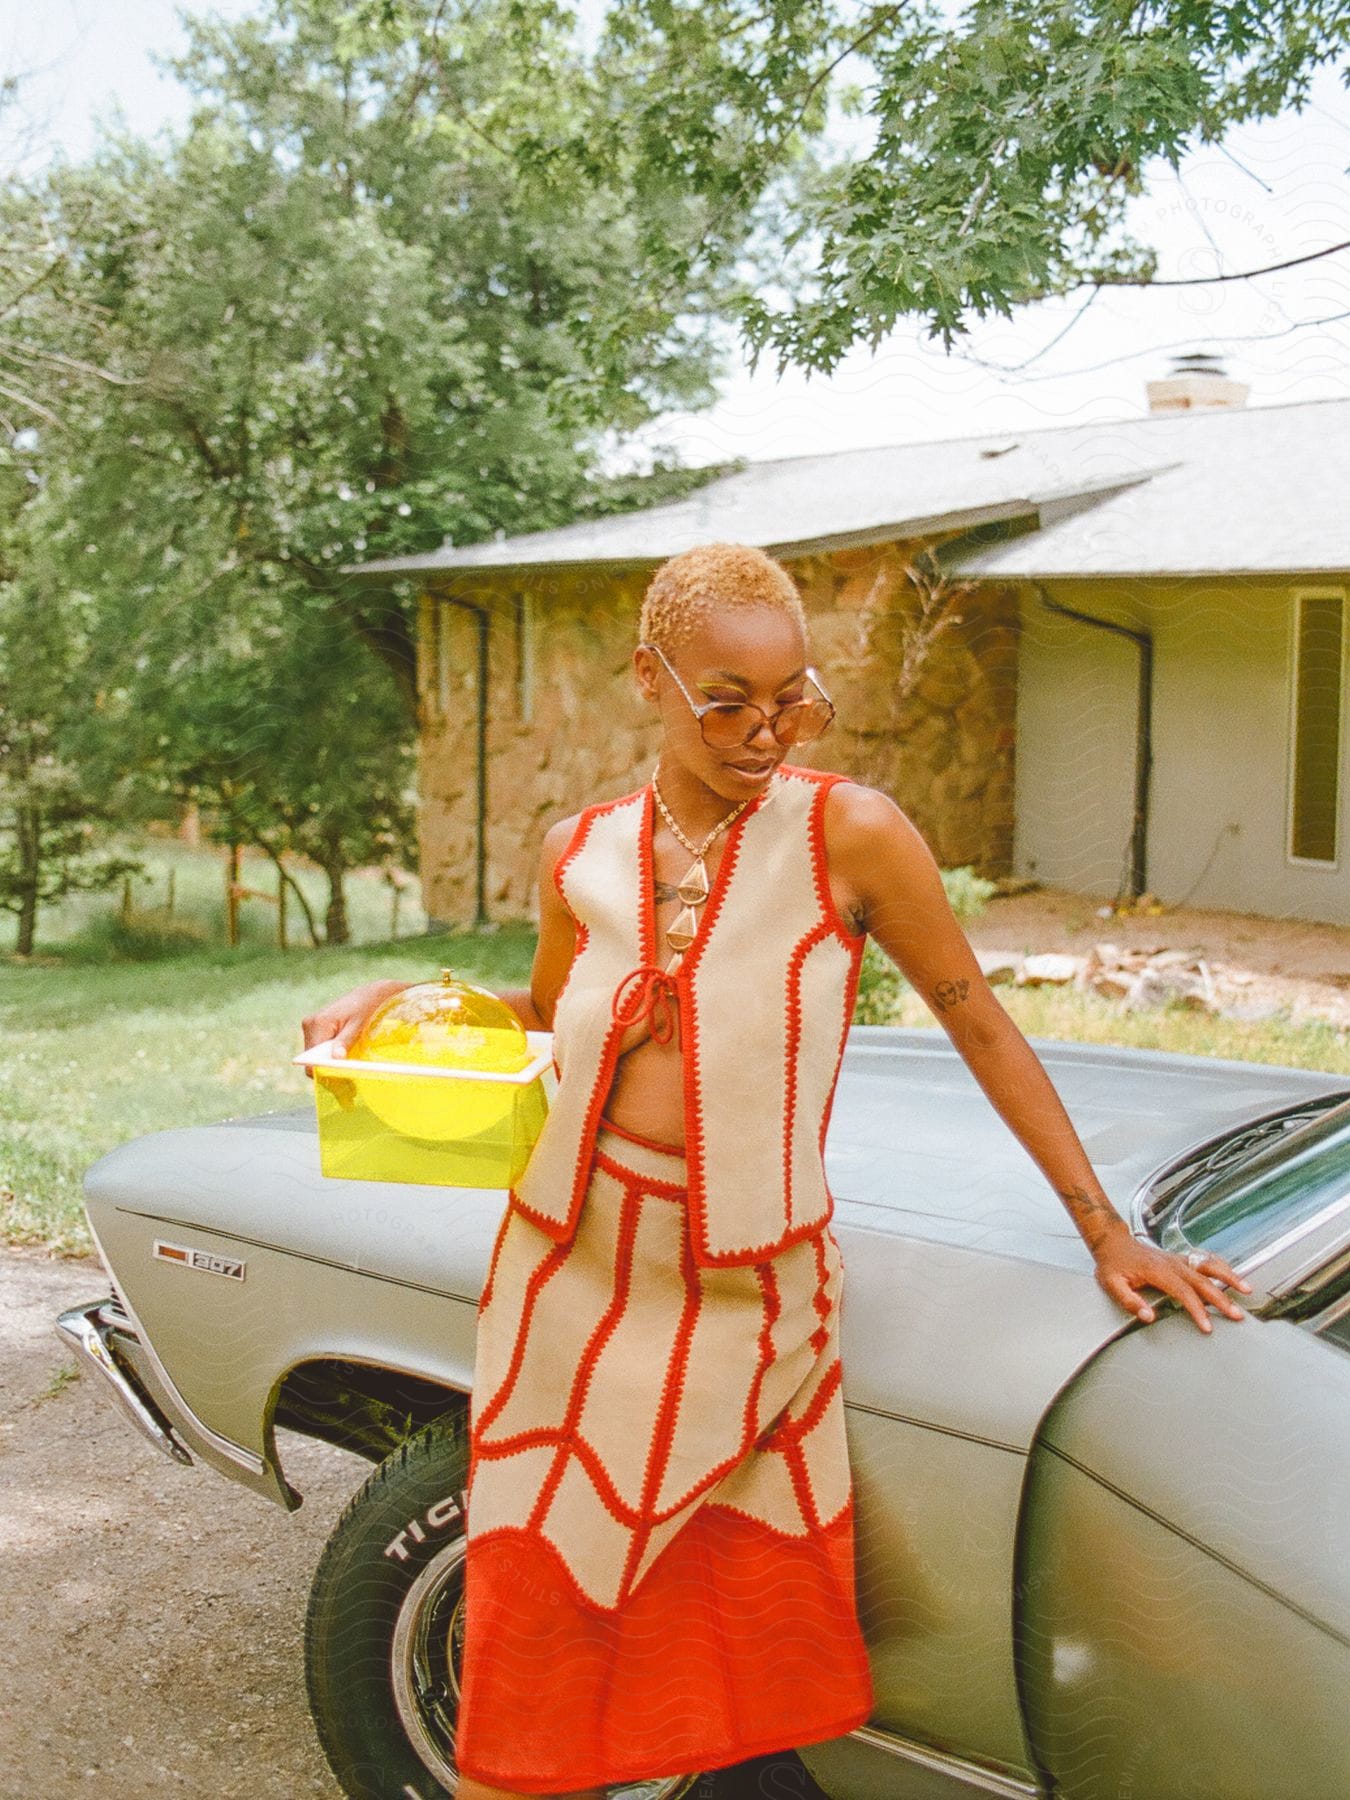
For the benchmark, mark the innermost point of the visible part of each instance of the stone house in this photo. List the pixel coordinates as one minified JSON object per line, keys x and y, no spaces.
{"x":1139,"y":683}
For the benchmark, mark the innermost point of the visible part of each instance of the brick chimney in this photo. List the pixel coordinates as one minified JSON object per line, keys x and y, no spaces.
{"x":1196,"y":379}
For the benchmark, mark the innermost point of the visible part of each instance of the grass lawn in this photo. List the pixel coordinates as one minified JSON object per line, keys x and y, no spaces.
{"x":82,"y":926}
{"x":93,"y":1054}
{"x":1062,"y":1012}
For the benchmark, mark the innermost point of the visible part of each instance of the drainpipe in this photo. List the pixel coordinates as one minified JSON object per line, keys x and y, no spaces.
{"x":480,"y":613}
{"x":1143,"y":744}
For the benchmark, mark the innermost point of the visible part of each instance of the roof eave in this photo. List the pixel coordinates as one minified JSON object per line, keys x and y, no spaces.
{"x":991,"y":572}
{"x":961,"y":519}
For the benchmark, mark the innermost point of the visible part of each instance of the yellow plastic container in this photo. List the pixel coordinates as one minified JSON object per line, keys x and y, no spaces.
{"x":443,"y":1085}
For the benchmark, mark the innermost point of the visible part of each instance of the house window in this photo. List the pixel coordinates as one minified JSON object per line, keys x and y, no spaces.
{"x":1318,"y":704}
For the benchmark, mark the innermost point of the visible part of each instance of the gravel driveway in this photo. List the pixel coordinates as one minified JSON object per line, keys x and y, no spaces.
{"x":151,"y":1615}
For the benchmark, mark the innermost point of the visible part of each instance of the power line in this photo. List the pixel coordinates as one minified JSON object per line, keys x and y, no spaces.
{"x":1058,"y":338}
{"x":1213,"y":337}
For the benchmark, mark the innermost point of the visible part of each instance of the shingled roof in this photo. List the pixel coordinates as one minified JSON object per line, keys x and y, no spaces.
{"x":1215,"y":490}
{"x":1251,"y":491}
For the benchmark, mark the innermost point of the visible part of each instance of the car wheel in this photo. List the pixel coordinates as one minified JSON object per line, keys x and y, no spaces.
{"x":384,"y":1628}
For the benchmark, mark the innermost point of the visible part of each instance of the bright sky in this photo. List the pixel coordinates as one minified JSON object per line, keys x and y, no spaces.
{"x":1275,"y":190}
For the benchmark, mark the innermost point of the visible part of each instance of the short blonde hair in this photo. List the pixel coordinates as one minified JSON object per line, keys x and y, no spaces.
{"x":689,"y":587}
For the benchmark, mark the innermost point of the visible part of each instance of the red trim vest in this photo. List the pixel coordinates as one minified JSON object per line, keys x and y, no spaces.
{"x":764,"y":996}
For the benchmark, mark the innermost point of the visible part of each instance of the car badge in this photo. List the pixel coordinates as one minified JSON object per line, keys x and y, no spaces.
{"x":200,"y":1259}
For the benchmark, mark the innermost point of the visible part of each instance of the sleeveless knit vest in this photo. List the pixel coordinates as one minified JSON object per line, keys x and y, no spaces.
{"x":764,"y":996}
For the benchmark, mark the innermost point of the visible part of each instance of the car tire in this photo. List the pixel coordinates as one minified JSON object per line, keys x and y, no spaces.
{"x":385,"y":1607}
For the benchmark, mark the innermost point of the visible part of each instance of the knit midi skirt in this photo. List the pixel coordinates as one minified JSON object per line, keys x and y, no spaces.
{"x":659,"y":1554}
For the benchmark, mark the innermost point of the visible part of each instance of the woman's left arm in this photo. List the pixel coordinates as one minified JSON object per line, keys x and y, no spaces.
{"x":875,"y":848}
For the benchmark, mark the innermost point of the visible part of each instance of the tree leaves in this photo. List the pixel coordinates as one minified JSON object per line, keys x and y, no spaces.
{"x":1007,"y":139}
{"x":378,"y":293}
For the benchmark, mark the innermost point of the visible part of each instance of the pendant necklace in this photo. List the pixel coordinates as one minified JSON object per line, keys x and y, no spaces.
{"x":693,"y":889}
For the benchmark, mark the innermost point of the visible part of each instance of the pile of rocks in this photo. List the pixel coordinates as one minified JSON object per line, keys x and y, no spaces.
{"x":1144,"y":975}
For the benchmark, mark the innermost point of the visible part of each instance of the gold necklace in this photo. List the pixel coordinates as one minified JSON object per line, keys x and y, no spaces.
{"x":694,"y":889}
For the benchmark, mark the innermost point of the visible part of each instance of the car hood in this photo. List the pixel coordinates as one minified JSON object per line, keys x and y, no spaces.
{"x":914,"y":1148}
{"x":915,"y":1145}
{"x":950,"y":1233}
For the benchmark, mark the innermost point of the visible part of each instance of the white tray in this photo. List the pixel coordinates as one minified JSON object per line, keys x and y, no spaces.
{"x":321,"y":1057}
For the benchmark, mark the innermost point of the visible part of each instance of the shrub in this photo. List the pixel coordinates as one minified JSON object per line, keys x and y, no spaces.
{"x":142,"y":937}
{"x":880,"y":983}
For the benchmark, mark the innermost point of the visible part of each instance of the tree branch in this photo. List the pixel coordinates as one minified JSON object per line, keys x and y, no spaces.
{"x":1208,"y":280}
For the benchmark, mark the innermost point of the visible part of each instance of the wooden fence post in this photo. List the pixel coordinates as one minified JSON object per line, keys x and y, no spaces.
{"x":232,"y":897}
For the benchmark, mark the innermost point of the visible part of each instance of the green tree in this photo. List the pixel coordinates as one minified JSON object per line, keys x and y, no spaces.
{"x":57,"y":814}
{"x":1002,"y":143}
{"x":355,"y":327}
{"x":50,"y":331}
{"x":342,"y":323}
{"x":283,"y":729}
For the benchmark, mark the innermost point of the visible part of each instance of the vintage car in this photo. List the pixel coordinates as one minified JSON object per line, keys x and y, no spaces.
{"x":1097,"y":1558}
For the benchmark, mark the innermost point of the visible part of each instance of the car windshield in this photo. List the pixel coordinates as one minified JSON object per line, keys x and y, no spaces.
{"x":1282,"y":1188}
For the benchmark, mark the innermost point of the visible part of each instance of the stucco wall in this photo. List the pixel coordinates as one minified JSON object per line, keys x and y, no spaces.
{"x":1075,"y":755}
{"x":1223,"y":673}
{"x":566,"y":725}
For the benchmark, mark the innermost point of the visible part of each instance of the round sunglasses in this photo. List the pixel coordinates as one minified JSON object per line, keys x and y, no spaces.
{"x":727,"y":724}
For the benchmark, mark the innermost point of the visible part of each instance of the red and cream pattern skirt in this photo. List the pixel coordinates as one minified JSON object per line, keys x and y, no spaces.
{"x":659,"y":1572}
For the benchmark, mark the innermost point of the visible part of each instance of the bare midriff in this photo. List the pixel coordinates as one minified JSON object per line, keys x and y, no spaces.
{"x":646,"y":1095}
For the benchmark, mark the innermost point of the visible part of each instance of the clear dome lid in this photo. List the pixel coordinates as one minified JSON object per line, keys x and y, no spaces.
{"x":450,"y":1023}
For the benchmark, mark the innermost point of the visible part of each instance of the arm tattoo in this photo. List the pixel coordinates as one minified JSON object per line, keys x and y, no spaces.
{"x":1093,"y":1214}
{"x":947,"y":993}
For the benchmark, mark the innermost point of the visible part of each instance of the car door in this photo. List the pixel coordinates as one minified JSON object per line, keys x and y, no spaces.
{"x":1184,"y":1619}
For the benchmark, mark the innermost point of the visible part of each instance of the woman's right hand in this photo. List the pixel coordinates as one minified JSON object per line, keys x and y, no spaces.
{"x":342,"y":1019}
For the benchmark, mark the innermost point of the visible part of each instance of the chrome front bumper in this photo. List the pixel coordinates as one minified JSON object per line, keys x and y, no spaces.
{"x":93,"y":1330}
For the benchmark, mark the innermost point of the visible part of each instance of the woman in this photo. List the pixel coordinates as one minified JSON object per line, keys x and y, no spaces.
{"x":659,"y":1569}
